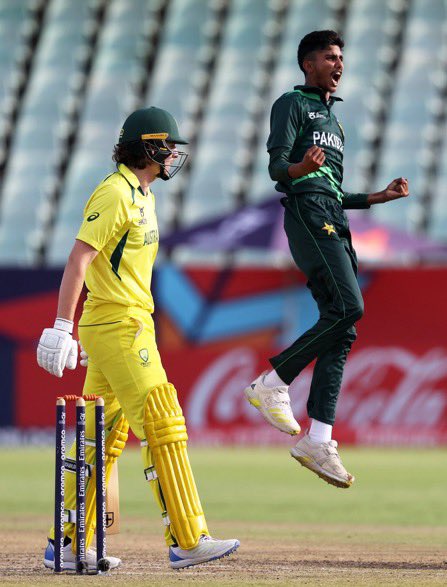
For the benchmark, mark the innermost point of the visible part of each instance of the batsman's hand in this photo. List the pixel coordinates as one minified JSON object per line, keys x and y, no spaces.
{"x":57,"y":349}
{"x":83,"y":361}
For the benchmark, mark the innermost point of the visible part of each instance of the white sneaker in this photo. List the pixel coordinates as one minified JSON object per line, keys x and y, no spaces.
{"x":274,"y":405}
{"x":207,"y":550}
{"x":70,"y":558}
{"x":324,"y":460}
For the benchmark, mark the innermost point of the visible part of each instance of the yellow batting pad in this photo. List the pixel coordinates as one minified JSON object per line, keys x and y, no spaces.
{"x":115,"y":443}
{"x":164,"y":426}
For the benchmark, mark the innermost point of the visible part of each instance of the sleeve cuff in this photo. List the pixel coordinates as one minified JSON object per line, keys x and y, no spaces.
{"x":280,"y":173}
{"x":88,"y":241}
{"x":355,"y":201}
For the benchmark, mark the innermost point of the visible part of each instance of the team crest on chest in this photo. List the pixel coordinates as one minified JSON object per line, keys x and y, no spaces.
{"x":142,"y":220}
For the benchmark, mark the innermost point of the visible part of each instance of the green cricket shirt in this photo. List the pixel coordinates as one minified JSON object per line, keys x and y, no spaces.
{"x":300,"y":119}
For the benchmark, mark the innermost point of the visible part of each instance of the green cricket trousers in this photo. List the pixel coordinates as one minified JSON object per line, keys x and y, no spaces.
{"x":317,"y":229}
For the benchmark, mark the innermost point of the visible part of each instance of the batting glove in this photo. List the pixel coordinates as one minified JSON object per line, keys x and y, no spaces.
{"x":83,"y":356}
{"x":57,"y":349}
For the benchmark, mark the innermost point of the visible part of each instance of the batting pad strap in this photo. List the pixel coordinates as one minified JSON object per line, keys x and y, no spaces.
{"x":70,"y":516}
{"x":150,"y":473}
{"x":70,"y":467}
{"x":165,"y":430}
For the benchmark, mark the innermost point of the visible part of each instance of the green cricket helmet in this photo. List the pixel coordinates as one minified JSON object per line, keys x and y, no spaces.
{"x":156,"y":128}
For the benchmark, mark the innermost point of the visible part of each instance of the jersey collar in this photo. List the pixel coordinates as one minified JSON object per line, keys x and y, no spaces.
{"x":319,"y":92}
{"x":130,"y":177}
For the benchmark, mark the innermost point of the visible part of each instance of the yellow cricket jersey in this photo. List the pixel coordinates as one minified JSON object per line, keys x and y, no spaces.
{"x":120,"y":223}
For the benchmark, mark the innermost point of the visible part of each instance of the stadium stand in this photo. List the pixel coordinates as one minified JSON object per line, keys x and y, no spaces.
{"x":12,"y":18}
{"x":433,"y":202}
{"x":303,"y":16}
{"x":36,"y":135}
{"x":19,"y":26}
{"x":411,"y":108}
{"x":364,"y":66}
{"x":209,"y":190}
{"x":117,"y":58}
{"x":71,"y":71}
{"x":171,"y":86}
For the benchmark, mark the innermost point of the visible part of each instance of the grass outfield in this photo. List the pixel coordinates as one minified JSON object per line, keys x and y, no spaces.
{"x":394,"y":515}
{"x":393,"y":487}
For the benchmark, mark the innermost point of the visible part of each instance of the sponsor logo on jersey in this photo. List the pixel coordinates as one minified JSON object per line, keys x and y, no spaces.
{"x":92,"y":217}
{"x":150,"y":237}
{"x":313,"y":115}
{"x":328,"y":139}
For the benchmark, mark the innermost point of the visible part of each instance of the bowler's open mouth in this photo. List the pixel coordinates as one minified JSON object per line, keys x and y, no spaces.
{"x":336,"y":76}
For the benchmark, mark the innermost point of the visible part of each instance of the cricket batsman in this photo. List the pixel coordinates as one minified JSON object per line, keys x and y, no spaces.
{"x":306,"y":160}
{"x":114,"y":254}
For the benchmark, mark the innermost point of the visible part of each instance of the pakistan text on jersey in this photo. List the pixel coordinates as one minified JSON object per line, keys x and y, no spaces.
{"x":328,"y":139}
{"x":150,"y":237}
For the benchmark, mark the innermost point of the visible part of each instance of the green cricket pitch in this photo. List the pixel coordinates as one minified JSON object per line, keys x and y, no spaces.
{"x":389,"y":528}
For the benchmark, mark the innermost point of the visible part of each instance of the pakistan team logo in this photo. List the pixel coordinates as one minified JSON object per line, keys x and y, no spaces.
{"x":144,"y":355}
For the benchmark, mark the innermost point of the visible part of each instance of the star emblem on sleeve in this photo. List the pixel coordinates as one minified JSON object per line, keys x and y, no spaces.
{"x":329,"y":228}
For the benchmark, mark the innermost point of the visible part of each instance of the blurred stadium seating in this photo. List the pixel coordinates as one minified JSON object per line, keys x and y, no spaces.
{"x":71,"y":71}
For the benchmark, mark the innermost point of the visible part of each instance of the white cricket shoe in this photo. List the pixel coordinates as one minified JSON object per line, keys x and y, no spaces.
{"x":324,"y":460}
{"x":274,"y":405}
{"x":70,"y":558}
{"x":207,"y":550}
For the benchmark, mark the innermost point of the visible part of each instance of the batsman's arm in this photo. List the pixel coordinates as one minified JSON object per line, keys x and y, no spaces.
{"x":80,"y":258}
{"x":57,"y":349}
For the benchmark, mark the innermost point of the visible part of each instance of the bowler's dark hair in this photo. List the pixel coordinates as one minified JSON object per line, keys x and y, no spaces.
{"x":316,"y":41}
{"x":131,"y":154}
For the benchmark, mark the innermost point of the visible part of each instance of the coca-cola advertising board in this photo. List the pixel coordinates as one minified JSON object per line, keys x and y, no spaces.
{"x":216,"y":329}
{"x":395,"y":383}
